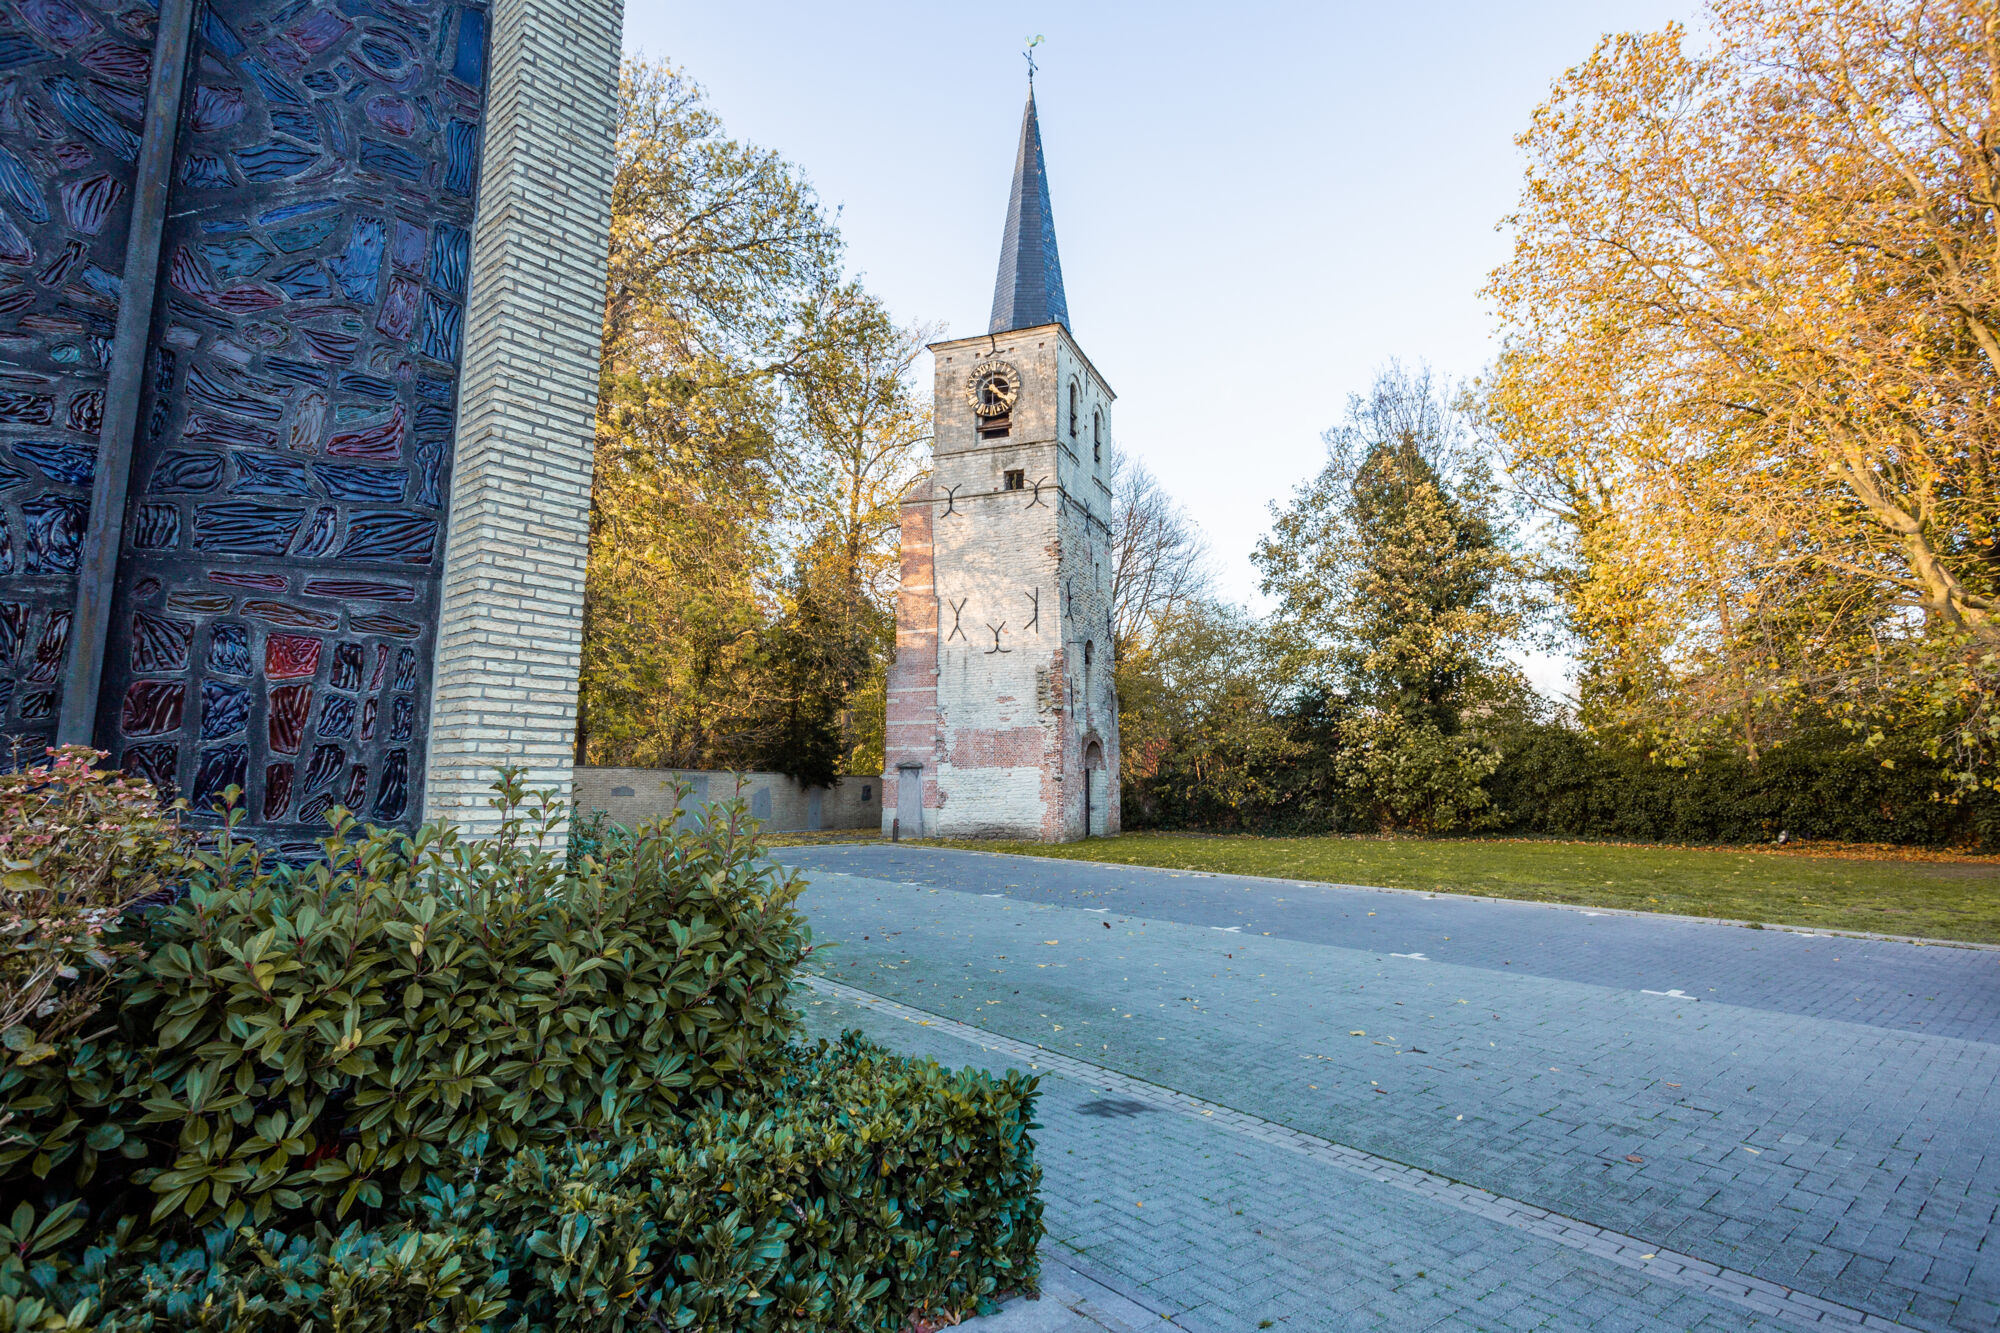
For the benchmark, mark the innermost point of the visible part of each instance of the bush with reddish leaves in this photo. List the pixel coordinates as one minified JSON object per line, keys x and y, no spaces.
{"x":79,"y":846}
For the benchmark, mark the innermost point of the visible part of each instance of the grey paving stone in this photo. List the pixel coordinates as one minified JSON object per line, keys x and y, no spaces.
{"x":1931,"y":989}
{"x":1335,"y":1251}
{"x":1553,"y":1078}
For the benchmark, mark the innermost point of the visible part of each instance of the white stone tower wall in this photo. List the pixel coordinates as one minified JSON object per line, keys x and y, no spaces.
{"x":1084,"y":568}
{"x":995,"y":705}
{"x":995,"y":559}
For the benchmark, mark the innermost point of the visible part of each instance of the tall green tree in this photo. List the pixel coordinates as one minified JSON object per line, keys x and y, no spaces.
{"x":1201,"y":738}
{"x":1397,"y":593}
{"x":866,"y":428}
{"x":756,"y":418}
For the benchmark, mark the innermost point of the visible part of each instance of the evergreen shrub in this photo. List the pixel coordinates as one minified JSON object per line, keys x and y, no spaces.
{"x":1557,"y":781}
{"x":860,"y":1191}
{"x":437,"y":1082}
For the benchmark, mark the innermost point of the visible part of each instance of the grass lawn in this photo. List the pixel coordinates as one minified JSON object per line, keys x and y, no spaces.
{"x":797,"y":838}
{"x":1956,"y":898}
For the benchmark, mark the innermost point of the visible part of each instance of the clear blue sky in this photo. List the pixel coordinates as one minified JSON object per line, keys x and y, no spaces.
{"x":1257,"y":204}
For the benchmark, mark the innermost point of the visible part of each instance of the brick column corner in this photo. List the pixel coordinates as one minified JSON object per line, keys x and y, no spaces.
{"x":510,"y":626}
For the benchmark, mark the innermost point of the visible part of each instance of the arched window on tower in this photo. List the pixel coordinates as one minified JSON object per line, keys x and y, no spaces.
{"x":1097,"y":437}
{"x":1072,"y":410}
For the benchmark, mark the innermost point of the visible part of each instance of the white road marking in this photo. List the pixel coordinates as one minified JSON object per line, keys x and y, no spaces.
{"x":1675,"y":994}
{"x":1417,"y":956}
{"x":1228,"y":930}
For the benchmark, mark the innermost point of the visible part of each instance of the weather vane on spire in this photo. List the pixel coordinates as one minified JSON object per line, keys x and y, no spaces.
{"x":1029,"y":56}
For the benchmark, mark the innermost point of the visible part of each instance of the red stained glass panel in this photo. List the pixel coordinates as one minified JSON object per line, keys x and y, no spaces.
{"x":290,"y":656}
{"x":277,"y":790}
{"x":290,"y":706}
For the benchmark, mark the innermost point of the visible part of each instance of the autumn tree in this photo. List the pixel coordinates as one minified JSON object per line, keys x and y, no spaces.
{"x":1754,"y":368}
{"x":864,"y":428}
{"x":1397,"y":595}
{"x":755,"y":420}
{"x":1164,"y":631}
{"x":1201,"y":731}
{"x":1159,"y":558}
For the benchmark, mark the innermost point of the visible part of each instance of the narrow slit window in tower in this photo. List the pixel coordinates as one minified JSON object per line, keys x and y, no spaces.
{"x":1016,"y":480}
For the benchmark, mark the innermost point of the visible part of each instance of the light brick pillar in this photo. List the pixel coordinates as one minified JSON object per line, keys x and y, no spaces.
{"x":511,"y":622}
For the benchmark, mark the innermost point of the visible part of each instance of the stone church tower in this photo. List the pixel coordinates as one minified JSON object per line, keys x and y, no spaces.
{"x":1002,"y":716}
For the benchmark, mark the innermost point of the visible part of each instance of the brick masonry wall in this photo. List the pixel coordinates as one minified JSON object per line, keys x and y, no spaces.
{"x":911,"y":734}
{"x":511,"y":622}
{"x":1003,"y":589}
{"x":632,"y":796}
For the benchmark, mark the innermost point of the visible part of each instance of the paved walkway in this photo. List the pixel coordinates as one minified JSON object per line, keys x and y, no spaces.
{"x":1846,"y":1160}
{"x":1880,"y":983}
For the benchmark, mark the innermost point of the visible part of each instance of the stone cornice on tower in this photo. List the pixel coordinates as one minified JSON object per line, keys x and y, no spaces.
{"x":1062,"y":330}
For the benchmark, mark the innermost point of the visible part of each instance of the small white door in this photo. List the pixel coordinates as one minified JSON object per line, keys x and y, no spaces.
{"x":910,"y":802}
{"x":814,"y":814}
{"x":1100,"y":801}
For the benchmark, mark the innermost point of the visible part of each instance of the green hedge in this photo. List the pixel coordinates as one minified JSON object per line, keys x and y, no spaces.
{"x":865,"y":1190}
{"x":1820,"y":785}
{"x":358,"y":1091}
{"x":1558,"y":781}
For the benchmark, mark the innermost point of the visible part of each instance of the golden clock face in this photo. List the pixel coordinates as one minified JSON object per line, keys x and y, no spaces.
{"x":992,"y":388}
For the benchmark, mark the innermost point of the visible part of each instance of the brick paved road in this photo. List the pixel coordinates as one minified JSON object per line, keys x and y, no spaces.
{"x":1222,"y":1233}
{"x":1942,"y":991}
{"x":1784,"y":1133}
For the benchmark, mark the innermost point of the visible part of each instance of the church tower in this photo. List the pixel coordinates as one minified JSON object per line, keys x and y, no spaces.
{"x":1002,"y":716}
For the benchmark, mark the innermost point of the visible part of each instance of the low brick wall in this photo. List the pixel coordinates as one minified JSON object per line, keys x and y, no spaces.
{"x":632,"y":796}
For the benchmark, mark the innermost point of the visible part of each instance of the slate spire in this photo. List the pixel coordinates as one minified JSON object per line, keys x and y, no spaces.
{"x":1029,"y":288}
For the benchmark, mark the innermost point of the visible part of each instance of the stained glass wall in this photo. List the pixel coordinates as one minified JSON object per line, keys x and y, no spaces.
{"x":72,"y":92}
{"x":280,"y":564}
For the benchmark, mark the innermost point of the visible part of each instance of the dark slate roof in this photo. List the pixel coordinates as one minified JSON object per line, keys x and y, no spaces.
{"x":1029,"y":288}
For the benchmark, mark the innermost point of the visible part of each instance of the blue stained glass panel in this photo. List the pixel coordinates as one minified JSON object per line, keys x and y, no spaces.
{"x":468,"y":59}
{"x":225,"y":710}
{"x":229,"y":649}
{"x":61,"y":460}
{"x":293,"y":473}
{"x":66,"y":176}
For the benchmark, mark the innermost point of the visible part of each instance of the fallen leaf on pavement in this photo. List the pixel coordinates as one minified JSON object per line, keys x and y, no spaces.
{"x":1633,"y":1157}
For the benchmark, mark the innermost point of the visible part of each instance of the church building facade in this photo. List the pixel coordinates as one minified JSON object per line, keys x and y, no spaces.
{"x":1002,"y":713}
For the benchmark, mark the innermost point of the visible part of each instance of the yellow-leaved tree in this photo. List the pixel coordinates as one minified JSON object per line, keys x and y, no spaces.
{"x":757,"y":417}
{"x":1753,"y":363}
